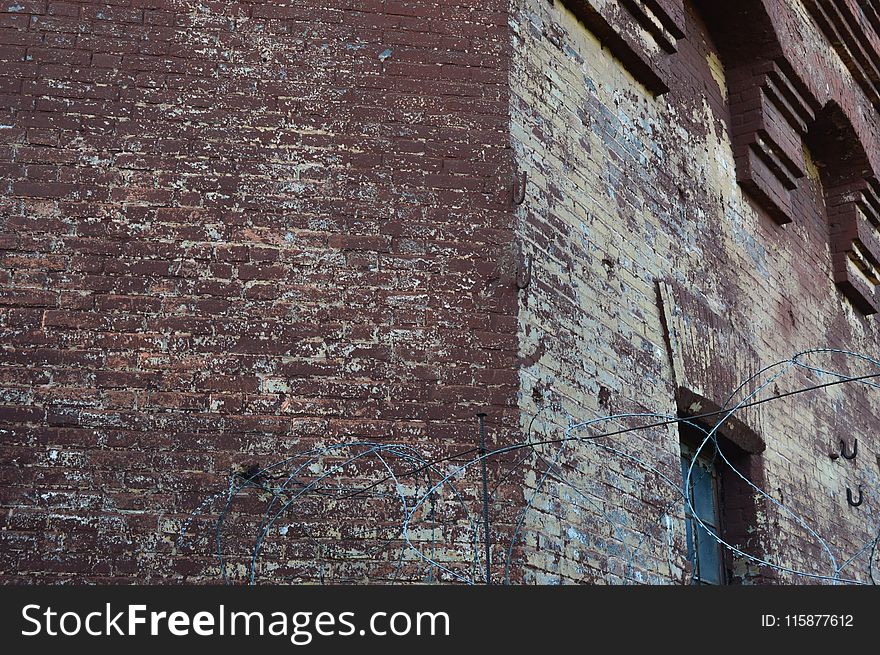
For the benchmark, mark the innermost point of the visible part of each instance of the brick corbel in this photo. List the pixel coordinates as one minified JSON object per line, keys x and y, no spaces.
{"x":770,"y":110}
{"x":641,"y":34}
{"x":854,"y":215}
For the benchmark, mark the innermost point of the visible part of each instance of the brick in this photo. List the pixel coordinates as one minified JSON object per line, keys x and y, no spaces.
{"x":224,"y":241}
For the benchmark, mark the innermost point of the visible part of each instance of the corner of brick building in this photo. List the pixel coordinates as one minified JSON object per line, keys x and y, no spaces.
{"x":234,"y":233}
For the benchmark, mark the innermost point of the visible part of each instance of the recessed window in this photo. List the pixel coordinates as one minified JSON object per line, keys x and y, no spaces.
{"x":724,"y":491}
{"x":704,"y":552}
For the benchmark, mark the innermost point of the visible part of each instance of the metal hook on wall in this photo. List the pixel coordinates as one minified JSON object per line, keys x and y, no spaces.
{"x":519,"y":188}
{"x":844,"y":452}
{"x":849,"y":497}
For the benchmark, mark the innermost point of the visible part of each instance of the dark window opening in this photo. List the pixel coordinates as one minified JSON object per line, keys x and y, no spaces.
{"x":724,"y":502}
{"x":703,"y":549}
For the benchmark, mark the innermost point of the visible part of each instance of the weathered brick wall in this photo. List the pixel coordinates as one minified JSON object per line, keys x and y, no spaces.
{"x":231,"y":231}
{"x":630,"y":186}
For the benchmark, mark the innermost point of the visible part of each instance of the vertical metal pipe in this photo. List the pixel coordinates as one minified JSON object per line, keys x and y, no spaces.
{"x":488,"y":543}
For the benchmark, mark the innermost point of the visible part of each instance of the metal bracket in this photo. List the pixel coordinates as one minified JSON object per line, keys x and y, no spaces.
{"x":844,"y":450}
{"x":849,"y":497}
{"x":519,"y":188}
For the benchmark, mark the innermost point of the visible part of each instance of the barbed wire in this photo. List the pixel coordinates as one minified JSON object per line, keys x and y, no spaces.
{"x":420,"y":487}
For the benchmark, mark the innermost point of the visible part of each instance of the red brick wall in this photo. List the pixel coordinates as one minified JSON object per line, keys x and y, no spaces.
{"x":230,"y":231}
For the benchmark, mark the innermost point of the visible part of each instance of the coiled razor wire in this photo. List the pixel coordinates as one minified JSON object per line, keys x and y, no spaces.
{"x":303,"y":476}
